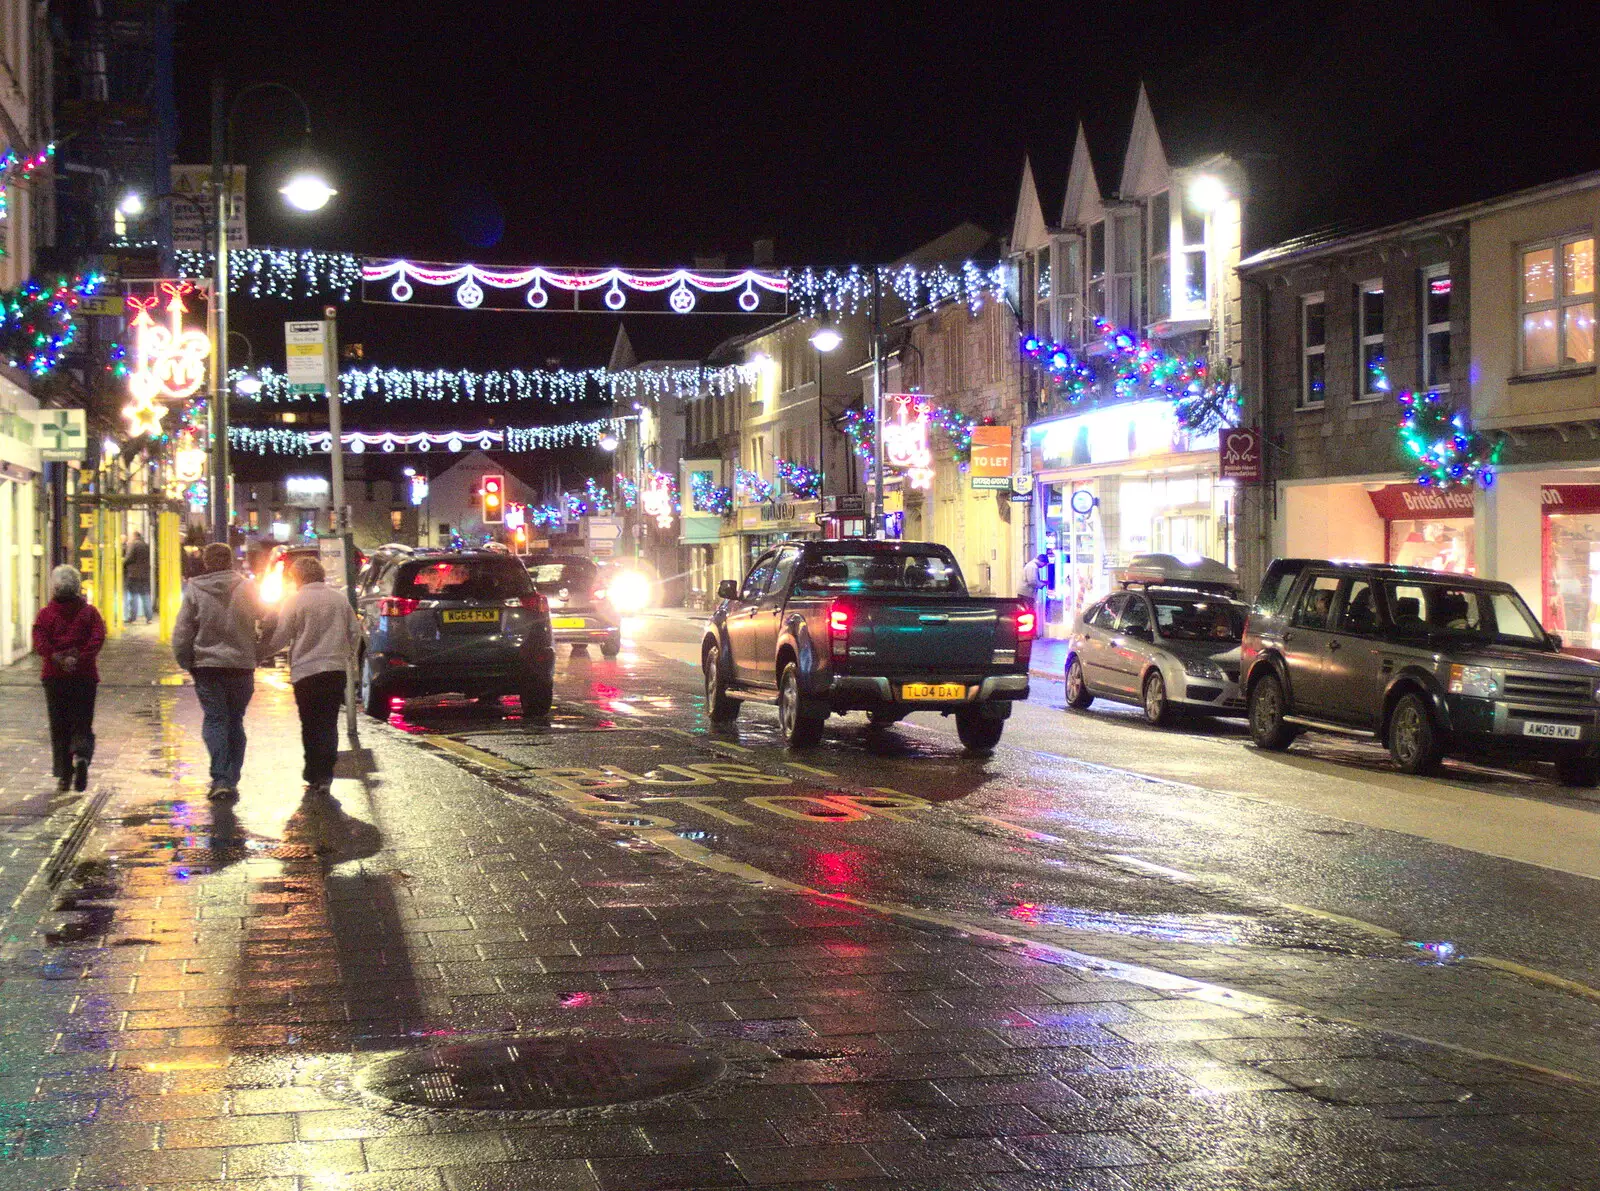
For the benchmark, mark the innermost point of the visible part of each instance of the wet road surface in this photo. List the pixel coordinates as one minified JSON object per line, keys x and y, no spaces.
{"x":1186,"y":851}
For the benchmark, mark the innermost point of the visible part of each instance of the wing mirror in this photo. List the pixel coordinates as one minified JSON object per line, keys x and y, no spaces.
{"x":1555,"y":641}
{"x":728,"y":589}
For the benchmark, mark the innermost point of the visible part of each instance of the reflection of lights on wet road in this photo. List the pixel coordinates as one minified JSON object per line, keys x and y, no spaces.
{"x":834,"y":868}
{"x":1176,"y":928}
{"x":1437,"y":952}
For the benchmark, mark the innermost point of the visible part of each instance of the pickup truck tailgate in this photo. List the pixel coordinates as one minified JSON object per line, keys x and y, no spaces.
{"x":944,"y":634}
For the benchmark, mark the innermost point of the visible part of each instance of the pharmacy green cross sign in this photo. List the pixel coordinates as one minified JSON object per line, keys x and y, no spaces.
{"x":63,"y":435}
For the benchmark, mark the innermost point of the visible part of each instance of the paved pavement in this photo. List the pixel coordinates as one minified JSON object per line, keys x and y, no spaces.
{"x":193,"y":1001}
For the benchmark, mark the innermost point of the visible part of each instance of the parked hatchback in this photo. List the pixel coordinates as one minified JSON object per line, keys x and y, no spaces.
{"x":469,"y":622}
{"x":1429,"y":662}
{"x":581,"y":611}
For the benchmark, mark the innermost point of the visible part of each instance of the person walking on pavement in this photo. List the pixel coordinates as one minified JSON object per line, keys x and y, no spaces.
{"x":319,"y":629}
{"x":215,"y":640}
{"x":136,"y":579}
{"x":67,"y":636}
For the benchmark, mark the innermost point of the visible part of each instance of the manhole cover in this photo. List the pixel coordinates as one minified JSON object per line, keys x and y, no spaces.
{"x":539,"y":1074}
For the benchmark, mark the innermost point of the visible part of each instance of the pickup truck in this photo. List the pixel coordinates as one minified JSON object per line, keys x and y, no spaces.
{"x":884,"y":627}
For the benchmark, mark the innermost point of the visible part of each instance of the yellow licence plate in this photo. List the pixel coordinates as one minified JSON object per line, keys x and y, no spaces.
{"x":942,"y":691}
{"x":567,"y":622}
{"x":470,"y":616}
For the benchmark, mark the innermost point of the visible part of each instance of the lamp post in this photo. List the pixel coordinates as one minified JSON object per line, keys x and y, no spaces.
{"x":304,"y":191}
{"x":824,"y":339}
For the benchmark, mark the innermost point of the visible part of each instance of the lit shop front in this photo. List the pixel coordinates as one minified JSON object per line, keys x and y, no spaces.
{"x":1570,"y":558}
{"x":774,"y":521}
{"x":1118,"y":481}
{"x":1426,"y":527}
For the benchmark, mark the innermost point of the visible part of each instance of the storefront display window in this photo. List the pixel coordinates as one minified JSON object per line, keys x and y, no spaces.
{"x":1437,"y":545}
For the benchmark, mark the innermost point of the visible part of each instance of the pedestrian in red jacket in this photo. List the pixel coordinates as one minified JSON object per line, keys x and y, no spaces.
{"x":67,"y":636}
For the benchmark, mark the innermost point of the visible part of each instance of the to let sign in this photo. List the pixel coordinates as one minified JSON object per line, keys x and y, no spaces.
{"x":991,"y":457}
{"x":1239,"y":454}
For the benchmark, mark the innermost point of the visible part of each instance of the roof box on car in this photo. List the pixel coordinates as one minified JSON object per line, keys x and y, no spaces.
{"x":1163,"y":570}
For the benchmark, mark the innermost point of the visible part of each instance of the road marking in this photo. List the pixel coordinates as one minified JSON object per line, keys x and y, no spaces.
{"x":812,"y":769}
{"x":1538,"y":974}
{"x":1371,"y":928}
{"x":701,"y":804}
{"x":476,"y":755}
{"x":833,"y":810}
{"x":704,"y":739}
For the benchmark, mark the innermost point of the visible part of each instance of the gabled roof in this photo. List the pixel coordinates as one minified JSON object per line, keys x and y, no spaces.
{"x":1028,"y":228}
{"x":1144,"y":169}
{"x":1082,"y":205}
{"x":622,"y":353}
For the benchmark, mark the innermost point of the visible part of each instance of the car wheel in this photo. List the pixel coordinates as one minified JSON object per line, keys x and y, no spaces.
{"x":538,"y":696}
{"x":1266,"y":710}
{"x":1582,"y":772}
{"x":799,"y":719}
{"x":720,"y":709}
{"x":612,"y":646}
{"x":1413,"y":739}
{"x":374,"y":694}
{"x":1078,"y":694}
{"x":1157,"y":708}
{"x":978,"y":732}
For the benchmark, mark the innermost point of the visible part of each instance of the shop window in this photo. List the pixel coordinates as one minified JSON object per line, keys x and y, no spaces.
{"x":1159,"y":287}
{"x":1436,"y":288}
{"x":1557,"y":305}
{"x":1444,"y":545}
{"x":1313,"y":351}
{"x":1371,"y":384}
{"x":1572,"y":578}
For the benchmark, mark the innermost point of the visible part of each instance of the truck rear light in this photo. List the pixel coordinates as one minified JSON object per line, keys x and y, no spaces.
{"x":536,"y":601}
{"x":1027,"y":625}
{"x":396,"y":606}
{"x":598,"y":594}
{"x":839,"y":630}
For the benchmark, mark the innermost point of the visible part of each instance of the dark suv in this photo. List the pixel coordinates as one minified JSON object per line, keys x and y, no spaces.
{"x":1429,"y":662}
{"x":471,"y":622}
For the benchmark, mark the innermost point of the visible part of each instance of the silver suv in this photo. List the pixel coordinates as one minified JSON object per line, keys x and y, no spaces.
{"x":437,"y":621}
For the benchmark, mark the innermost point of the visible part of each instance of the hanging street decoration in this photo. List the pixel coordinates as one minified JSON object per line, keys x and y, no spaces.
{"x":16,"y":168}
{"x":36,"y":326}
{"x":802,"y":480}
{"x":169,"y":362}
{"x":503,"y":386}
{"x":905,"y":439}
{"x":751,"y":486}
{"x":707,"y":497}
{"x":273,"y":440}
{"x":1442,"y":445}
{"x":627,"y":490}
{"x":292,"y":273}
{"x":536,"y":287}
{"x":1132,"y":364}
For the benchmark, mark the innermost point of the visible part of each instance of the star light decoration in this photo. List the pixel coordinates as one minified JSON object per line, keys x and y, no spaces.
{"x":273,"y":440}
{"x":1133,"y":364}
{"x":659,"y":498}
{"x":36,"y":326}
{"x":956,"y":427}
{"x":503,"y":386}
{"x":169,"y":363}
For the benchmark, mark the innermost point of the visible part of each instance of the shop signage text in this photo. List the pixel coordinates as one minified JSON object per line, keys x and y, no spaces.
{"x":847,"y":504}
{"x":63,"y":435}
{"x":1570,"y":498}
{"x":1403,"y":502}
{"x":991,"y":457}
{"x":1239,"y":454}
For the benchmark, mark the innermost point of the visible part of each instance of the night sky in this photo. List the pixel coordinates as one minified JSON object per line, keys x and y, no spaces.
{"x":645,"y":134}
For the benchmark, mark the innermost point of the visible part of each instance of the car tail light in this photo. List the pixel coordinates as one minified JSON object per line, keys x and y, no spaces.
{"x":397,"y":606}
{"x":1027,"y":625}
{"x":536,"y":601}
{"x":598,"y":593}
{"x":839,"y":629}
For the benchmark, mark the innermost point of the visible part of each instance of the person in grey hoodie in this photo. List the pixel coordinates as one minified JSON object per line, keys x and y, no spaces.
{"x":215,"y":640}
{"x":319,"y":629}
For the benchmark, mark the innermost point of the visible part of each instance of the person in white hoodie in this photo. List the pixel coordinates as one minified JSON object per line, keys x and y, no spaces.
{"x":319,"y":629}
{"x":215,"y":640}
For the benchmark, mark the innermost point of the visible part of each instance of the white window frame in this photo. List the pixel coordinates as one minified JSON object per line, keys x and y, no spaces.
{"x":1425,"y":349}
{"x":1124,"y":277}
{"x":1303,"y":398}
{"x":1558,"y":304}
{"x":1103,"y":226}
{"x":1364,"y":384}
{"x":1181,"y":252}
{"x":1067,"y":290}
{"x":1158,"y":262}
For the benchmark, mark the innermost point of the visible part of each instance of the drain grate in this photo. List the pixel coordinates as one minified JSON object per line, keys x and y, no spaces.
{"x":534,"y":1074}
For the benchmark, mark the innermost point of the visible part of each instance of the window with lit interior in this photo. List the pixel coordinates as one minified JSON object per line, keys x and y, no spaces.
{"x":1313,"y":351}
{"x":1436,"y":286}
{"x":1557,"y":300}
{"x":1159,"y":289}
{"x":1369,"y":326}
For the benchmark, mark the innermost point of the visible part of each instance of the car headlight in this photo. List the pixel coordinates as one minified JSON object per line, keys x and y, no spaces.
{"x":630,"y":592}
{"x":1477,"y":682}
{"x":1202,"y":668}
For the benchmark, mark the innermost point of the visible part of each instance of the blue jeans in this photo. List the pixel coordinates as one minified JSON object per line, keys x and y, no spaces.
{"x":136,"y":605}
{"x":224,"y":694}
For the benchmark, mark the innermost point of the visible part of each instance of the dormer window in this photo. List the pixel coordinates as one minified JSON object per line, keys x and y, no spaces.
{"x":1192,"y":264}
{"x":1160,"y":255}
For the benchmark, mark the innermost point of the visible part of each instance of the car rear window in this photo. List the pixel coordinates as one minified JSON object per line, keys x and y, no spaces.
{"x":463,"y":579}
{"x":556,"y":573}
{"x":883,"y":571}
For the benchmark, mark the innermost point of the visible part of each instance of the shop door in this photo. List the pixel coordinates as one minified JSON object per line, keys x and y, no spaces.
{"x":1185,"y":536}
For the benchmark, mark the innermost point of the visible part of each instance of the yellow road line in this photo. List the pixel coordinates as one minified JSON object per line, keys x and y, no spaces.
{"x":1539,"y":974}
{"x":1370,"y":928}
{"x":476,"y":755}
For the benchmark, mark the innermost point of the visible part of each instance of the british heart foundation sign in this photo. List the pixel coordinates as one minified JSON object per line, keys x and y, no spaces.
{"x":991,"y":457}
{"x":1239,"y":454}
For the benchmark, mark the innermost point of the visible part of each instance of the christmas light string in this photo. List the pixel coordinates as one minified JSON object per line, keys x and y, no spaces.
{"x":503,"y":386}
{"x":16,"y":167}
{"x":957,"y":428}
{"x":36,"y":326}
{"x":274,"y":440}
{"x":284,"y":273}
{"x":684,"y":285}
{"x":835,"y":292}
{"x":706,"y":497}
{"x":757,"y":490}
{"x":1442,"y":444}
{"x":627,"y":490}
{"x":803,"y":481}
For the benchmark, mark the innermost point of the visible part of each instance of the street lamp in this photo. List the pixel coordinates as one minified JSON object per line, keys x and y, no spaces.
{"x":609,"y":441}
{"x":305,"y":191}
{"x":826,"y":338}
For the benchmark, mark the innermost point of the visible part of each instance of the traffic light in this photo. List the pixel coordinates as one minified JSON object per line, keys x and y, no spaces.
{"x":494,"y":500}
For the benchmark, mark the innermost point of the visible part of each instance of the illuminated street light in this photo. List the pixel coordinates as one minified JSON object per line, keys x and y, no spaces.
{"x":1207,"y":193}
{"x":826,"y":338}
{"x":609,"y":442}
{"x":307,"y":192}
{"x":132,"y":203}
{"x":247,"y":386}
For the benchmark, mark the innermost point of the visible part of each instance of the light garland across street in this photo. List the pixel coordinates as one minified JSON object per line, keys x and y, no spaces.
{"x":684,"y":287}
{"x":280,"y":272}
{"x":500,"y":386}
{"x":275,"y":440}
